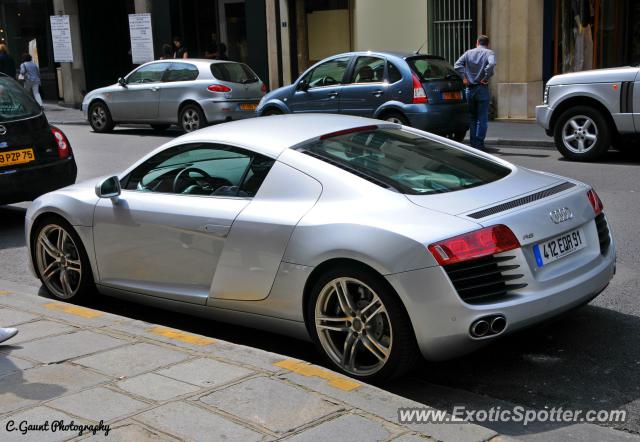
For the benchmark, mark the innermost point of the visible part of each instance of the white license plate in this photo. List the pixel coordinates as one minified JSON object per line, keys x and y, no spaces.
{"x":559,"y":247}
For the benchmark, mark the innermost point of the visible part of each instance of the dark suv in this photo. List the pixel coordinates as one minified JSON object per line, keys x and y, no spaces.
{"x":35,"y":158}
{"x":418,"y":90}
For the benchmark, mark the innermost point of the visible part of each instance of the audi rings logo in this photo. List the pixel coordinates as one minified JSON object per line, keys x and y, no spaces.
{"x":561,"y":215}
{"x":3,"y":130}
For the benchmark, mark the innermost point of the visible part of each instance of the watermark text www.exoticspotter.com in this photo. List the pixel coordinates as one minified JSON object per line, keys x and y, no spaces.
{"x":519,"y":414}
{"x":54,"y":426}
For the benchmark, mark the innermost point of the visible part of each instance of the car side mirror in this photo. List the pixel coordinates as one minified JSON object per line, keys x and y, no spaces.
{"x":122,"y":82}
{"x":303,"y":86}
{"x":109,"y":188}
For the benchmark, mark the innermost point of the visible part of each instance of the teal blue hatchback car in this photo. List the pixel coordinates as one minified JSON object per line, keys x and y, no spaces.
{"x":417,"y":90}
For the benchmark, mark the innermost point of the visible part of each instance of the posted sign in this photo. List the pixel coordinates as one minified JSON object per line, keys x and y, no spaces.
{"x":61,"y":36}
{"x":141,"y":38}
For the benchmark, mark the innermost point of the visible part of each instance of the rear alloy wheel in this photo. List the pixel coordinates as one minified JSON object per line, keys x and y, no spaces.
{"x":582,"y":133}
{"x":360,"y":327}
{"x":192,"y":118}
{"x":396,"y":118}
{"x":100,"y":118}
{"x":160,"y":127}
{"x":61,"y":261}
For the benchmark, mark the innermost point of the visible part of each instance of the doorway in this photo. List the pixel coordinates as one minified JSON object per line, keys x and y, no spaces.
{"x":233,"y":28}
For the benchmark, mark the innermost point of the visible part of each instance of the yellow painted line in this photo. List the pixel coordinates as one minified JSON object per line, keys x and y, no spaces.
{"x":181,"y":336}
{"x":305,"y":369}
{"x":73,"y":310}
{"x":5,"y":292}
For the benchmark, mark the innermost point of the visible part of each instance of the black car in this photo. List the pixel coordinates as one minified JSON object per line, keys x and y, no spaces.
{"x":35,"y":157}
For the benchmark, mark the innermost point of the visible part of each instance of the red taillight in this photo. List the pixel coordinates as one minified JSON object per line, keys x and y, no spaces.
{"x":476,"y":244}
{"x":64,"y":149}
{"x":219,"y":88}
{"x":419,"y":95}
{"x":263,"y":88}
{"x":595,"y":201}
{"x":349,"y":131}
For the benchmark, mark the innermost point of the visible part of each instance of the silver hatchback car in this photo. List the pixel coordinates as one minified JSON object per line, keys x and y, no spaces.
{"x":190,"y":93}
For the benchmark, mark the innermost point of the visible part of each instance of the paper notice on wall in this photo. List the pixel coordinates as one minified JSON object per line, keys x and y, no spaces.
{"x":61,"y":37}
{"x":141,"y":38}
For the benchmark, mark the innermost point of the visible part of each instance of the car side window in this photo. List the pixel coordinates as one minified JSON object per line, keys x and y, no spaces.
{"x":368,"y":70}
{"x":151,"y":73}
{"x":201,"y":169}
{"x":328,"y":73}
{"x":181,"y":72}
{"x":393,"y":73}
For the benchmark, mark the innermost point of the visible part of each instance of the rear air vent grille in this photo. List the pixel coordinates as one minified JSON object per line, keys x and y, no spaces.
{"x":603,"y":233}
{"x":522,"y":201}
{"x":483,"y":281}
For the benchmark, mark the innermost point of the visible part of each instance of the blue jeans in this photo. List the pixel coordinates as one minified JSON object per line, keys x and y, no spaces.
{"x":478,"y":100}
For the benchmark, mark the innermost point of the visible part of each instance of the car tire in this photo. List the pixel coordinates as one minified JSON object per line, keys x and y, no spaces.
{"x":272,"y":111}
{"x":582,"y":133}
{"x":395,"y":117}
{"x":61,"y":262}
{"x":160,"y":127}
{"x":192,"y":118}
{"x":100,"y":117}
{"x":383,"y":344}
{"x":459,"y":136}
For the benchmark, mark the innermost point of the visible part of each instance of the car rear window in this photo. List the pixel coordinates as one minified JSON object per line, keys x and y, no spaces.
{"x":406,"y":162}
{"x":432,"y":69}
{"x":15,"y":103}
{"x":233,"y":72}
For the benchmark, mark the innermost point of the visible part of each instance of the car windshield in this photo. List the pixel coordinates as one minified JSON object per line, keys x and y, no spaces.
{"x":406,"y":162}
{"x":15,"y":103}
{"x":233,"y":72}
{"x":432,"y":69}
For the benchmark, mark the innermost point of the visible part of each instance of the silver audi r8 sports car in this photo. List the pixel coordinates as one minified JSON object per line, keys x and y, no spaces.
{"x":379,"y":242}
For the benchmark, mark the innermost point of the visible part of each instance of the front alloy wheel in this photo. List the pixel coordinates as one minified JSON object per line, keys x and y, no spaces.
{"x":359,"y":323}
{"x":582,"y":133}
{"x":60,"y":260}
{"x":353,"y":326}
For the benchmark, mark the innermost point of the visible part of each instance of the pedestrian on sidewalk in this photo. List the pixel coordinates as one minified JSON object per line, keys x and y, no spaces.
{"x":7,"y":333}
{"x":7,"y":65}
{"x":167,"y":52}
{"x":476,"y":66}
{"x":31,"y":74}
{"x":222,"y":52}
{"x":179,"y":50}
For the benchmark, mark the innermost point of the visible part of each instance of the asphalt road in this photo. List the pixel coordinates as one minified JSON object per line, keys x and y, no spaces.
{"x":589,"y":359}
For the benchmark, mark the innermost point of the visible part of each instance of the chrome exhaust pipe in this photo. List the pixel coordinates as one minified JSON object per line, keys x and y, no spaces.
{"x":479,"y":328}
{"x":498,"y":324}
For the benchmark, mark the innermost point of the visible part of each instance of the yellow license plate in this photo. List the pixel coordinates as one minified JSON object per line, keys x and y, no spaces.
{"x":248,"y":106}
{"x":452,"y":95}
{"x":16,"y":157}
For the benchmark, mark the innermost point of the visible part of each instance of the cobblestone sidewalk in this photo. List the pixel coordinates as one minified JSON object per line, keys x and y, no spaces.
{"x":148,"y":382}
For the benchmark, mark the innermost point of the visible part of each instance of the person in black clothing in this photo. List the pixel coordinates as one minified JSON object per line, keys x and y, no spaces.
{"x":167,"y":52}
{"x":222,"y":52}
{"x":211,"y":52}
{"x":180,"y":49}
{"x":7,"y":65}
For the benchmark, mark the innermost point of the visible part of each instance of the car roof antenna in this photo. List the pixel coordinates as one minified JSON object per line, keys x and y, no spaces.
{"x":423,"y":43}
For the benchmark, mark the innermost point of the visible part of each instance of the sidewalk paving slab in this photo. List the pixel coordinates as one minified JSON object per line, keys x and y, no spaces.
{"x":150,"y":382}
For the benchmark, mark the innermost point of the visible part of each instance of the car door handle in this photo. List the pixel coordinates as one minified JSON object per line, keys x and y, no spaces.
{"x":333,"y":94}
{"x":217,"y":230}
{"x":377,"y":93}
{"x":155,"y":88}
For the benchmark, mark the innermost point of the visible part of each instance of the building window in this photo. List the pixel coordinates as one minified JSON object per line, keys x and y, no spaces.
{"x":452,"y":27}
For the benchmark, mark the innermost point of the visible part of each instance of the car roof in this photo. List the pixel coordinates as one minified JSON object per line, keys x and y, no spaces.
{"x":196,"y":61}
{"x":398,"y":54}
{"x":271,"y":135}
